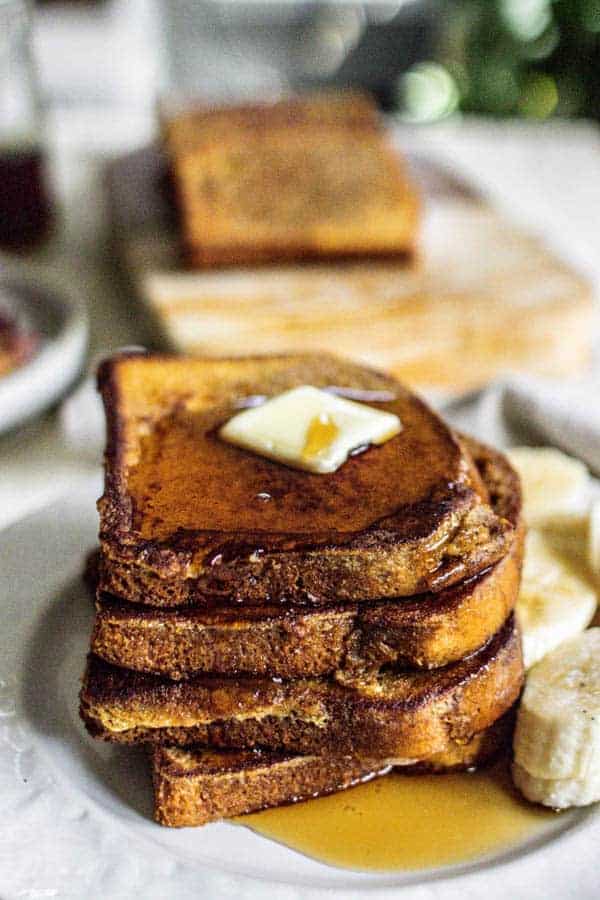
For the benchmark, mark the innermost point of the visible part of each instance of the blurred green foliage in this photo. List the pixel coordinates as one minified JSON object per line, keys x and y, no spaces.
{"x":530,"y":58}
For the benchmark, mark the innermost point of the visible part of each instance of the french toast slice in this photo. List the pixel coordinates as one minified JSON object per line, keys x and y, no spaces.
{"x":406,"y":715}
{"x":422,"y":632}
{"x":291,"y":180}
{"x":194,"y":786}
{"x":183,"y":519}
{"x":290,"y":643}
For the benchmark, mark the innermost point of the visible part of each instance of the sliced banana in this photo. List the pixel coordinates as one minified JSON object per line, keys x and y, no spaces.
{"x":557,"y":736}
{"x":554,"y":603}
{"x":594,"y":538}
{"x":555,"y":485}
{"x":542,"y":565}
{"x":559,"y":793}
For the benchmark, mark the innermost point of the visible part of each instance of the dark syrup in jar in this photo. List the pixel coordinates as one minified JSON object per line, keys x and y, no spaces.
{"x":25,"y":213}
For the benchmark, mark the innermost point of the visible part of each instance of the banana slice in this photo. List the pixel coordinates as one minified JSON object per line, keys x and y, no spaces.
{"x":594,"y":538}
{"x":555,"y":485}
{"x":559,"y":793}
{"x":557,"y":736}
{"x":554,"y":603}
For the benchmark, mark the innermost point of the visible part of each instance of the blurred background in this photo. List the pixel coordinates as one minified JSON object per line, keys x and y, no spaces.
{"x":427,"y":60}
{"x":500,"y":99}
{"x":501,"y":95}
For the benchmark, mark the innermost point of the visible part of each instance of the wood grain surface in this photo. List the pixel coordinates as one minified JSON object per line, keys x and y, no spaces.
{"x":482,"y":298}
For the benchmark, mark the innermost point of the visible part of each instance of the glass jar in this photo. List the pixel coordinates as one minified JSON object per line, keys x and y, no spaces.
{"x":24,"y":202}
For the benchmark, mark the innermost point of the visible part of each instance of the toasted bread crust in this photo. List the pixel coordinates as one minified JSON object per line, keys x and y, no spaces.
{"x":464,"y":544}
{"x":177,"y":644}
{"x":444,"y":534}
{"x":277,"y":252}
{"x":264,"y":781}
{"x":195,"y":786}
{"x":407,"y":715}
{"x":425,"y":631}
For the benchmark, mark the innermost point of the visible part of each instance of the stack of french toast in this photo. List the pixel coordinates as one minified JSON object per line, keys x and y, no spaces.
{"x":274,"y":633}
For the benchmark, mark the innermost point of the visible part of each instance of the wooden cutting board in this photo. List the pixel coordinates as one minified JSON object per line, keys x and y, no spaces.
{"x":482,"y":299}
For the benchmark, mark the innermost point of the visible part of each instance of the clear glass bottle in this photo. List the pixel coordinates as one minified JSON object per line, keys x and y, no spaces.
{"x":24,"y":202}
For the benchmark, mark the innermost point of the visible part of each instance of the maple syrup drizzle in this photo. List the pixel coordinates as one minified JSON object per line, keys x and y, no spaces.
{"x":408,"y":822}
{"x":320,"y":435}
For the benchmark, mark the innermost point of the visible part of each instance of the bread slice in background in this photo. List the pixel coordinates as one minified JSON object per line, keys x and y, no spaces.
{"x":482,"y":297}
{"x":305,"y":178}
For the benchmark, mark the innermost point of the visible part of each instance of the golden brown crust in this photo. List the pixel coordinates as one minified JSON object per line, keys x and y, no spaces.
{"x":462,"y":546}
{"x":311,"y":178}
{"x":398,"y":520}
{"x":425,"y":631}
{"x":422,"y":633}
{"x":407,"y":715}
{"x":268,"y":780}
{"x":178,"y":644}
{"x":195,"y":786}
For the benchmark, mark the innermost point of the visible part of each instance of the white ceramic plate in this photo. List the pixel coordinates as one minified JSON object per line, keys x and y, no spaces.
{"x":74,"y":813}
{"x":61,"y":322}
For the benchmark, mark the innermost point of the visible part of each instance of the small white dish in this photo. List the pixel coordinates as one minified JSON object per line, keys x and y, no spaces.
{"x":61,"y":322}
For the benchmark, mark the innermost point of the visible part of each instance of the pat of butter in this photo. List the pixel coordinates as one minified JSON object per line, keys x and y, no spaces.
{"x":309,"y":429}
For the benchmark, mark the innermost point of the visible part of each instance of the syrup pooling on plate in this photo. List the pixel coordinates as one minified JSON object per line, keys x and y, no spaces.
{"x":407,"y":822}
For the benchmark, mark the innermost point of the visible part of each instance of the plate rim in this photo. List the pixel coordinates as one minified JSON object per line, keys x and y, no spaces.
{"x":40,"y":382}
{"x":87,"y":813}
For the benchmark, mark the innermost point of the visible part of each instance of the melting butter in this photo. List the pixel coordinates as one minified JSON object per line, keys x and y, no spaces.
{"x":321,"y":433}
{"x":310,"y":429}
